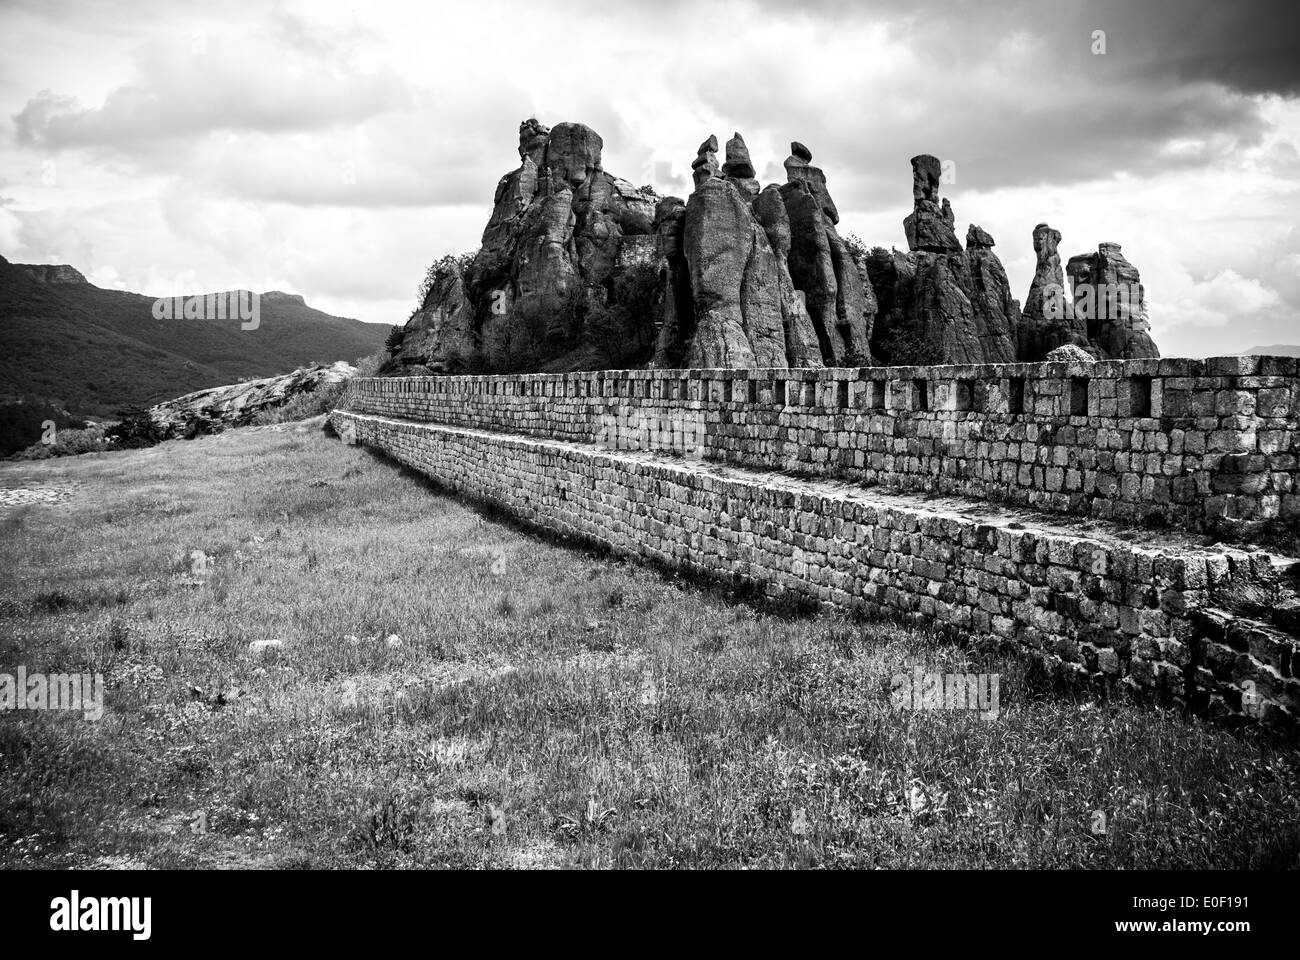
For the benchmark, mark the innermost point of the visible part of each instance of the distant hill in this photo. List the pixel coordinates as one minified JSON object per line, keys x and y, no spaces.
{"x":90,"y":351}
{"x":1276,"y":350}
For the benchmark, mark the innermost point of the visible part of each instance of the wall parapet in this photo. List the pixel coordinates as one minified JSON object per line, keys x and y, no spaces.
{"x":1207,"y":444}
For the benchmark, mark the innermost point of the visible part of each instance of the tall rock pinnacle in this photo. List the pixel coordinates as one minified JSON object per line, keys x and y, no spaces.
{"x":841,"y":304}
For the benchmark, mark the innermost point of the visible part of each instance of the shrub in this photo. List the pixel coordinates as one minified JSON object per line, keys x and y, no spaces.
{"x":369,"y":366}
{"x":323,"y":399}
{"x":441,"y":270}
{"x":907,"y":348}
{"x":857,"y":249}
{"x":622,"y":329}
{"x":67,"y":443}
{"x":135,"y":428}
{"x":22,"y":423}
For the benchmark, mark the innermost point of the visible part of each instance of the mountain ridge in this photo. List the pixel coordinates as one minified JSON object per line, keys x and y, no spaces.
{"x":91,"y":350}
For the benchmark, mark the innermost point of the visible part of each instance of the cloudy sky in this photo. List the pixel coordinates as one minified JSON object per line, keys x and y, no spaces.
{"x":335,"y":150}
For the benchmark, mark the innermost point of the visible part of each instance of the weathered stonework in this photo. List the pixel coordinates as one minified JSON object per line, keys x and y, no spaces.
{"x":588,"y":455}
{"x":1207,"y":445}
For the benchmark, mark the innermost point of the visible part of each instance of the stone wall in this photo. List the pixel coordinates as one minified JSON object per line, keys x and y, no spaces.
{"x":1204,"y":445}
{"x":1088,"y":604}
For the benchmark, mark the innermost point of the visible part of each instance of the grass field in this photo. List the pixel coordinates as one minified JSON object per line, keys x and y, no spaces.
{"x":451,"y":691}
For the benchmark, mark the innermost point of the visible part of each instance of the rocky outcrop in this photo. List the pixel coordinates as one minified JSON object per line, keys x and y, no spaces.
{"x":1105,"y":314}
{"x":441,"y":332}
{"x":52,"y":272}
{"x":551,"y":249}
{"x":735,"y":285}
{"x":929,"y":227}
{"x":739,"y":169}
{"x":581,"y":270}
{"x":1069,"y":353}
{"x":770,"y":277}
{"x":939,"y":303}
{"x":843,"y":308}
{"x":279,"y":296}
{"x":1048,"y":321}
{"x":235,"y":405}
{"x":1110,"y":300}
{"x":995,"y":313}
{"x":802,"y":346}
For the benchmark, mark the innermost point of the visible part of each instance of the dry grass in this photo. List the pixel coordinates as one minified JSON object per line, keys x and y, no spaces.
{"x":540,"y":706}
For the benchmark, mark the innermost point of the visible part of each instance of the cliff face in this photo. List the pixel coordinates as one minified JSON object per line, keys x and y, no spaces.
{"x":581,"y":270}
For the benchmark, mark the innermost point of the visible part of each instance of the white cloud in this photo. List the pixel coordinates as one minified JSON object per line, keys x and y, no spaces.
{"x":1226,"y":298}
{"x":335,"y":150}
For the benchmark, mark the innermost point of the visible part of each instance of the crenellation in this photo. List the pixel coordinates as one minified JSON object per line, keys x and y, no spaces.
{"x":1118,"y":439}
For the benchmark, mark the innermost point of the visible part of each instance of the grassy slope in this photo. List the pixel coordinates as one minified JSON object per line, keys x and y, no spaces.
{"x":611,"y":715}
{"x":93,"y":351}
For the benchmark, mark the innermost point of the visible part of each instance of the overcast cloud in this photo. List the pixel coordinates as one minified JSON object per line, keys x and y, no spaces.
{"x":336,"y":149}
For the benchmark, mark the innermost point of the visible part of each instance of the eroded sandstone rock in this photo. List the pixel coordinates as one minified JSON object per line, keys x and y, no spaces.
{"x":550,"y":251}
{"x":940,"y":304}
{"x":441,"y":332}
{"x":735,"y":283}
{"x":741,"y":276}
{"x":1109,"y":298}
{"x":1048,"y":320}
{"x":929,"y":227}
{"x":802,"y":347}
{"x":841,"y":305}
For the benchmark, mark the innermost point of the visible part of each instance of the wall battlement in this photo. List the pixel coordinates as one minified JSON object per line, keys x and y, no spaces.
{"x":1206,"y":445}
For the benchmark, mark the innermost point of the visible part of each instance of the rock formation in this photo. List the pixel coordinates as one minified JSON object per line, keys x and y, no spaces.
{"x":1110,"y":299}
{"x":842,"y":306}
{"x":1048,"y":320}
{"x":930,"y":226}
{"x":736,"y":241}
{"x":580,"y":270}
{"x":1105,"y":316}
{"x":1069,"y":353}
{"x":549,"y":255}
{"x":737,"y":275}
{"x":734,"y":281}
{"x":802,"y":345}
{"x":938,"y":303}
{"x":236,"y":404}
{"x":995,"y":313}
{"x":442,"y":331}
{"x":52,"y":272}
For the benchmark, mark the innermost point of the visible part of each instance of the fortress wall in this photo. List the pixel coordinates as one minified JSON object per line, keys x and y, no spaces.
{"x":1200,"y":444}
{"x":1089,"y":605}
